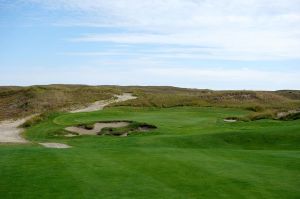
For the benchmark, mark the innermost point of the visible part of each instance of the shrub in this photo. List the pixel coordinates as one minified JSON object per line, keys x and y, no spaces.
{"x":88,"y":126}
{"x":34,"y":120}
{"x":256,"y":108}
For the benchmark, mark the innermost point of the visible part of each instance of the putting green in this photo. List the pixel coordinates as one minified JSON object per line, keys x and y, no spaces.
{"x":192,"y":154}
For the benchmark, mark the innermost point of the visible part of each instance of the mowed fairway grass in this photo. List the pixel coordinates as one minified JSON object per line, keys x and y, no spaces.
{"x":192,"y":154}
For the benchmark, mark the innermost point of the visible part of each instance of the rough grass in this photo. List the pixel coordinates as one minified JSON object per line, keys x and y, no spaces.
{"x":266,"y":114}
{"x":192,"y":154}
{"x":163,"y":97}
{"x":23,"y":101}
{"x":35,"y":120}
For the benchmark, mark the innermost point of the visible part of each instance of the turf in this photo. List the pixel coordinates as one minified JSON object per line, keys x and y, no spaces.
{"x":192,"y":154}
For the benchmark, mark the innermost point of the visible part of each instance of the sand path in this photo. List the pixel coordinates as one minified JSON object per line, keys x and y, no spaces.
{"x":99,"y":105}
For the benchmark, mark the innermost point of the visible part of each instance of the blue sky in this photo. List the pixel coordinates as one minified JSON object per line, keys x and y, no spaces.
{"x":215,"y":44}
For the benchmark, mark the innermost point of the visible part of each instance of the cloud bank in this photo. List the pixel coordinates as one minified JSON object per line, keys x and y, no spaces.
{"x":240,"y":30}
{"x":218,"y":44}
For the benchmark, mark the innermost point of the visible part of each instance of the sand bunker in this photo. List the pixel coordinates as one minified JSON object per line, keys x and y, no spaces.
{"x":99,"y":105}
{"x":97,"y":128}
{"x":55,"y":145}
{"x":112,"y":128}
{"x":10,"y":131}
{"x":230,"y":121}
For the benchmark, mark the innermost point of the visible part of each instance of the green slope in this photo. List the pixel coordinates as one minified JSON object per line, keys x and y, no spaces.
{"x":192,"y":154}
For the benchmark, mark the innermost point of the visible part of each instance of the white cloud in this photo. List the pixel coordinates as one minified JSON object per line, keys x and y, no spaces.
{"x":182,"y":12}
{"x":252,"y":29}
{"x":238,"y":44}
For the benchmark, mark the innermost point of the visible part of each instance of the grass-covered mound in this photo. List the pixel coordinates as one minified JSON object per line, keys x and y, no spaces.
{"x":18,"y":102}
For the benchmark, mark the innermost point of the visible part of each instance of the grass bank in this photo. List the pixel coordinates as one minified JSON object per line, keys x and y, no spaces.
{"x":193,"y":153}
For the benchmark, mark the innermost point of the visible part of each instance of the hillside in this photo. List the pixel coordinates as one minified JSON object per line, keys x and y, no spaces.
{"x":23,"y":101}
{"x":172,"y":96}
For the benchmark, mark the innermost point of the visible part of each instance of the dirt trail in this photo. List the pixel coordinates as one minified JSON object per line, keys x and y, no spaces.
{"x":97,"y":128}
{"x":10,"y":131}
{"x":99,"y":105}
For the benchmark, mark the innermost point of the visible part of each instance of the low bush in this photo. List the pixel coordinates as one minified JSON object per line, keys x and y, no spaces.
{"x":256,"y":108}
{"x":87,"y":126}
{"x":35,"y":119}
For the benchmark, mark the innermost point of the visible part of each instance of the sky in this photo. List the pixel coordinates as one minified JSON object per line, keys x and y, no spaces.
{"x":211,"y":44}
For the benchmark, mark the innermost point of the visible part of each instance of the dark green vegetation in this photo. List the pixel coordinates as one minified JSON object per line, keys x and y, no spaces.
{"x":192,"y":154}
{"x":23,"y":101}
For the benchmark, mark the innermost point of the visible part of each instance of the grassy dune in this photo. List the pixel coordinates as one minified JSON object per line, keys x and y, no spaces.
{"x":192,"y":154}
{"x":251,"y":100}
{"x":23,"y":101}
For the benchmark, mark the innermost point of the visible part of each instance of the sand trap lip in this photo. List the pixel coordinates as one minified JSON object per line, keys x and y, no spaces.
{"x":10,"y":131}
{"x":97,"y":127}
{"x":55,"y":145}
{"x":230,"y":121}
{"x":99,"y":105}
{"x":71,"y":135}
{"x":284,"y":114}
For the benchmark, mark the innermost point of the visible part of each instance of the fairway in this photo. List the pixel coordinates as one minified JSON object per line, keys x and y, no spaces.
{"x":193,"y":153}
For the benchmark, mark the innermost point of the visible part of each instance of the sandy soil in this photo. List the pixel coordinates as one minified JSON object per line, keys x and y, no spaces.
{"x":55,"y":145}
{"x":97,"y":128}
{"x":99,"y":105}
{"x":10,"y":133}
